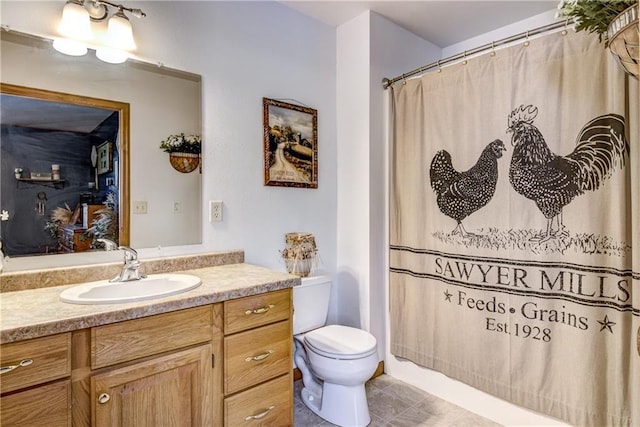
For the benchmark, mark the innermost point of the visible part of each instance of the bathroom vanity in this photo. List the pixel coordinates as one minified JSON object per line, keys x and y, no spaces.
{"x":216,"y":355}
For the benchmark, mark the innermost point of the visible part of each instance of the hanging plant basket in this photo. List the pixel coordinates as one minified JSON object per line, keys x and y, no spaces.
{"x":184,"y":162}
{"x":622,"y":39}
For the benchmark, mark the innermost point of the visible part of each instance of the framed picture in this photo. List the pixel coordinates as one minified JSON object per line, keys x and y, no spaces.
{"x":290,"y":144}
{"x":105,"y":157}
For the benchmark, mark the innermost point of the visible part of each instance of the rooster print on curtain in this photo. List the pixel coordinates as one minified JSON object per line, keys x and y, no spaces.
{"x":553,"y":181}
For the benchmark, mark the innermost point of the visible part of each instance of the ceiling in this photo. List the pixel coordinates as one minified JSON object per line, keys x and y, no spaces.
{"x":39,"y":114}
{"x":442,"y":23}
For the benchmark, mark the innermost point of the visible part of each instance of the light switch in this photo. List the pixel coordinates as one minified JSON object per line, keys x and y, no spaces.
{"x":139,"y":207}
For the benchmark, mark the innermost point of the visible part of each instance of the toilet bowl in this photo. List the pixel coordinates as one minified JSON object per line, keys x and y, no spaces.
{"x":335,"y":361}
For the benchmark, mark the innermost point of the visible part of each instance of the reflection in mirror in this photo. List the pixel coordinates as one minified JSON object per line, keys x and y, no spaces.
{"x":162,"y":102}
{"x":64,"y":152}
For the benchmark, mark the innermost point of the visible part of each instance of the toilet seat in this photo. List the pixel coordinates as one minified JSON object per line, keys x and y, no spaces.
{"x":341,"y":342}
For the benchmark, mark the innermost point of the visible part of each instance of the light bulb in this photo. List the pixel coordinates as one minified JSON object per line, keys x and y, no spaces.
{"x":70,"y":47}
{"x":119,"y":32}
{"x":76,"y":29}
{"x":75,"y":22}
{"x":111,"y":55}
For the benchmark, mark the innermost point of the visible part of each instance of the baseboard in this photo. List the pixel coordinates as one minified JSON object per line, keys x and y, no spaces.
{"x":297,"y":375}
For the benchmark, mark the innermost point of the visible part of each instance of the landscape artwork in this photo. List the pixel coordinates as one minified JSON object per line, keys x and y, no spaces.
{"x":290,"y":145}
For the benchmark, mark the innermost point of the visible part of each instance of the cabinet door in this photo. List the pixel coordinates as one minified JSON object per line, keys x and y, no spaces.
{"x":167,"y":391}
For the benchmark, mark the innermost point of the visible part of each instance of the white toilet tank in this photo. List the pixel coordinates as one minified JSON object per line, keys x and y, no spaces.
{"x":311,"y":303}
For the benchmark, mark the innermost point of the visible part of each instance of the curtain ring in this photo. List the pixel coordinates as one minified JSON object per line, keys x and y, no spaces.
{"x":526,"y":43}
{"x":464,"y":56}
{"x":439,"y":68}
{"x":493,"y":48}
{"x":404,"y":80}
{"x":566,"y":24}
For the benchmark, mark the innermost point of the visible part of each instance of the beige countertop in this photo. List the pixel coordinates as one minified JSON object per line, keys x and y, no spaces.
{"x":39,"y":312}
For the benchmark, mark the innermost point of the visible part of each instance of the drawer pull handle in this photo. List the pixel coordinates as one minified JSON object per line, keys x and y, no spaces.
{"x":261,"y":414}
{"x":259,"y":357}
{"x":104,"y":398}
{"x":260,"y":310}
{"x":7,"y":369}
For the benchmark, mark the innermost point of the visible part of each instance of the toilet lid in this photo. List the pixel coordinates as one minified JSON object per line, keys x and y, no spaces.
{"x":341,"y":342}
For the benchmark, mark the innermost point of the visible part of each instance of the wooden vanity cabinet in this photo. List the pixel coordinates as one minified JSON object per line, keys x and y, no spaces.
{"x":221,"y":364}
{"x":35,"y":384}
{"x":258,"y":380}
{"x":154,"y":371}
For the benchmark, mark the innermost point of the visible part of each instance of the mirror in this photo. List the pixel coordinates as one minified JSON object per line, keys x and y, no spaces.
{"x":74,"y":186}
{"x":161,"y":102}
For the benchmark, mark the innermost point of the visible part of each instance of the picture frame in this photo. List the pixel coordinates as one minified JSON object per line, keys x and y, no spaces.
{"x":105,"y":157}
{"x":290,"y":140}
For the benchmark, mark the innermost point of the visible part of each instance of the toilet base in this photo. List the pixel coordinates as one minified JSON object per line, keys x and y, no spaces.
{"x":345,"y":406}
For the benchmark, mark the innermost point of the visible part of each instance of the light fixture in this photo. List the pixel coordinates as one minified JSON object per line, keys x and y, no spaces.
{"x":120,"y":32}
{"x":76,"y":28}
{"x":118,"y":40}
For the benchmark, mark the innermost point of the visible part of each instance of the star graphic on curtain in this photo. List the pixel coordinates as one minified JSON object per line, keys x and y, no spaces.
{"x":447,"y":295}
{"x":606,"y":324}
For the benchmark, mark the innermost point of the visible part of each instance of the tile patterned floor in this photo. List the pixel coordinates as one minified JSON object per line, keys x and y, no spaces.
{"x":393,"y":403}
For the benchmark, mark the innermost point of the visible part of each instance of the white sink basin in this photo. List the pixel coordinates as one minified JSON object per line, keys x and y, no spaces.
{"x":151,"y":287}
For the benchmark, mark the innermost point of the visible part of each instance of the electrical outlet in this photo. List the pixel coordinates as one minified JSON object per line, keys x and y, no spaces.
{"x":215,"y":211}
{"x":140,"y":207}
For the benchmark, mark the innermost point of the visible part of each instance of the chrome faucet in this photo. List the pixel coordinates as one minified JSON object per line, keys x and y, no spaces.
{"x":131,"y":268}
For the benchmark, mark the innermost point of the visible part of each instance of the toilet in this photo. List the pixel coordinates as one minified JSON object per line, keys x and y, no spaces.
{"x":335,"y":361}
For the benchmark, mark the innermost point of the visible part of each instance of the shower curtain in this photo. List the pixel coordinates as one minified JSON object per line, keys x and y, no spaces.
{"x":515,"y":228}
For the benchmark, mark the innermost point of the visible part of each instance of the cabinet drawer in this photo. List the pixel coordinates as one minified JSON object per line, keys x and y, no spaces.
{"x":269,"y":404}
{"x":249,"y":312}
{"x":134,"y":339}
{"x":48,"y":405}
{"x":258,"y":355}
{"x":50,"y":359}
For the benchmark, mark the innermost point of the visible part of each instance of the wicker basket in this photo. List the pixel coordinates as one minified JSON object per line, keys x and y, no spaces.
{"x":622,"y":39}
{"x":300,"y":255}
{"x":184,"y":162}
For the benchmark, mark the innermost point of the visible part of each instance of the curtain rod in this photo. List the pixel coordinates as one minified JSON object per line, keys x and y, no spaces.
{"x":386,"y":82}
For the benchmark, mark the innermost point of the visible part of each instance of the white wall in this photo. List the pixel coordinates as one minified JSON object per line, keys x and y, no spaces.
{"x":367,"y":50}
{"x":352,"y":284}
{"x":244,"y":51}
{"x":431,"y":381}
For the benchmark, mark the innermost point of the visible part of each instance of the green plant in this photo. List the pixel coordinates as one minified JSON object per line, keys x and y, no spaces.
{"x":182,"y":143}
{"x":593,"y":16}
